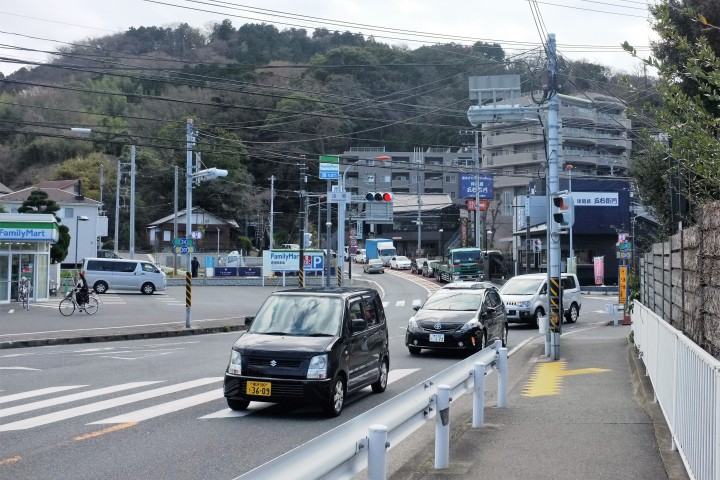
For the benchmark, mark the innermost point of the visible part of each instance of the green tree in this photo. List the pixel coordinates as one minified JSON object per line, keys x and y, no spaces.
{"x":39,"y":202}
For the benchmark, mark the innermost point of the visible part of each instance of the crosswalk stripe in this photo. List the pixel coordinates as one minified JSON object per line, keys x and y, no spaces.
{"x":37,"y":393}
{"x":417,"y":301}
{"x":98,"y":406}
{"x":5,"y":412}
{"x":400,"y":303}
{"x":385,"y":304}
{"x":162,"y":409}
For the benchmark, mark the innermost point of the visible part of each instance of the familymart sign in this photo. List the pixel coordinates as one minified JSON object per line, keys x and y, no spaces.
{"x":29,"y":232}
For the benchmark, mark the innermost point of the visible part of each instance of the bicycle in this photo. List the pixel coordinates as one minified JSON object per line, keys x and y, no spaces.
{"x":69,"y":303}
{"x":24,"y":293}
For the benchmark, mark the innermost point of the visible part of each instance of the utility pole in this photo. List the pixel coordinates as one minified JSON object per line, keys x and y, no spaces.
{"x":476,"y":159}
{"x":175,"y":219}
{"x":190,"y":138}
{"x":303,"y":193}
{"x":117,"y":208}
{"x":272,"y":210}
{"x":132,"y":201}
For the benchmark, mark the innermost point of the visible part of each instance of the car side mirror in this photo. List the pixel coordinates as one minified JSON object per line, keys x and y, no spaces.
{"x":490,"y":311}
{"x":358,"y":325}
{"x":416,"y":307}
{"x":249,"y":320}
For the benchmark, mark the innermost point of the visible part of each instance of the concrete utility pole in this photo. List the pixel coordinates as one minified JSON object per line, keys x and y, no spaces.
{"x":132,"y":201}
{"x":476,"y":159}
{"x":190,"y":138}
{"x":272,"y":210}
{"x":116,"y":238}
{"x":303,"y":210}
{"x":554,"y":293}
{"x":175,"y":218}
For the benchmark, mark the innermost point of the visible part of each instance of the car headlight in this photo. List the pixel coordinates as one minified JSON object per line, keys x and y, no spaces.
{"x":235,"y":365}
{"x":318,"y":367}
{"x":524,"y":304}
{"x":412,"y":325}
{"x":470,"y":325}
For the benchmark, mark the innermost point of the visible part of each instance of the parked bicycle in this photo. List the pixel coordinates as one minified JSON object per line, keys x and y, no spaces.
{"x":24,"y":292}
{"x":83,"y":301}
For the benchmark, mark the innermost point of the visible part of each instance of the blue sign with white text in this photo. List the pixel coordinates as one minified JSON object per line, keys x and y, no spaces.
{"x":467,"y":186}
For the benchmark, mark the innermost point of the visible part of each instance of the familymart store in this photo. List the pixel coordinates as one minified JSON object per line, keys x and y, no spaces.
{"x":25,"y":241}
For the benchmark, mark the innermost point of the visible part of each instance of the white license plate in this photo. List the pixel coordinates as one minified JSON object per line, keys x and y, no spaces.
{"x":437,"y":337}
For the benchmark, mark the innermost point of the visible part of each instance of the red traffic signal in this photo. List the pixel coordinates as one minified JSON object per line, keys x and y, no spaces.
{"x":379,"y":197}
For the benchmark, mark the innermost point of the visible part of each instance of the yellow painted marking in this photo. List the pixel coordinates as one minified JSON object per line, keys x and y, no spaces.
{"x":114,"y":428}
{"x":6,"y":461}
{"x":547,"y":378}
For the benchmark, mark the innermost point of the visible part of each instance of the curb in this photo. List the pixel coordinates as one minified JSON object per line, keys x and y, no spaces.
{"x":119,"y":337}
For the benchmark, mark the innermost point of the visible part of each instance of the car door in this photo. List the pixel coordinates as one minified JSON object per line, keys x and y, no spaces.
{"x":357,"y":353}
{"x":493,"y":303}
{"x":376,"y":334}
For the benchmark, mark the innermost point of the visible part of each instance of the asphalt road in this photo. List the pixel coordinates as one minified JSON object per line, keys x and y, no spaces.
{"x":154,"y":408}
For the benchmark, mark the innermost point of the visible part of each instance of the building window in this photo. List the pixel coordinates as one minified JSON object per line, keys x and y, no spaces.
{"x":385,"y":178}
{"x":69,"y":212}
{"x":452,"y":194}
{"x":449,"y":178}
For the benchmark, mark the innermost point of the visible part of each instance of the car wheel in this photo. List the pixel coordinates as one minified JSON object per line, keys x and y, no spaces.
{"x":238,"y":405}
{"x":504,"y":335}
{"x":539,"y":313}
{"x":381,"y":384}
{"x":334,"y":404}
{"x":414,"y":350}
{"x":572,"y":314}
{"x":100,"y":287}
{"x":147,"y":288}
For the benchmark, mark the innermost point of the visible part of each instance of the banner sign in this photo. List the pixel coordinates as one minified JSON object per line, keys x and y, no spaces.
{"x":622,"y":283}
{"x":29,"y":232}
{"x":599,"y":263}
{"x":595,"y":199}
{"x":226,"y":272}
{"x":289,"y":260}
{"x":467,"y":186}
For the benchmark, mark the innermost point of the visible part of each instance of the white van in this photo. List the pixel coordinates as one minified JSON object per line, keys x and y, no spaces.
{"x":525,"y":297}
{"x":103,"y":274}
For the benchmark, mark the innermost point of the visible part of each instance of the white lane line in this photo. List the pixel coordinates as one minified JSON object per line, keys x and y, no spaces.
{"x":37,"y":393}
{"x":20,"y":368}
{"x":385,"y":304}
{"x":228,"y":413}
{"x":164,"y":408}
{"x":417,"y":301}
{"x":96,"y":407}
{"x":70,"y":398}
{"x":395,"y":375}
{"x":12,"y":310}
{"x":400,"y":303}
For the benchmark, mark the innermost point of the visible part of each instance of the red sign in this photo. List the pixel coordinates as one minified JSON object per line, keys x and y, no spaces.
{"x":482,"y":204}
{"x":307,"y":260}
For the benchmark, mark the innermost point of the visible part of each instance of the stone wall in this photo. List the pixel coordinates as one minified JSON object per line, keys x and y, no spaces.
{"x":680,"y":280}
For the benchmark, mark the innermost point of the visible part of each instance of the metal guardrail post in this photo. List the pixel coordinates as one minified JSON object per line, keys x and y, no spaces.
{"x":377,"y":452}
{"x":502,"y":365}
{"x":478,"y":417}
{"x":442,"y":427}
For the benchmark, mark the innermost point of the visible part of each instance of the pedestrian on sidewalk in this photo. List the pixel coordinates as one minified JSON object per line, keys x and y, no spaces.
{"x":195,"y":264}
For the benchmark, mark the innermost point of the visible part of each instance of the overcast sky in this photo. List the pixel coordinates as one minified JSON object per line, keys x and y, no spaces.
{"x":584,"y":29}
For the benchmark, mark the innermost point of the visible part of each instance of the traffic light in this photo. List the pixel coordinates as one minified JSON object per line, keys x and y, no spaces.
{"x":379,"y":197}
{"x":308,"y":240}
{"x":564,"y":212}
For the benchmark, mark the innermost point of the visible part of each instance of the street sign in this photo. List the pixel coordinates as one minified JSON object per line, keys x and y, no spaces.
{"x":183,"y":242}
{"x":329,"y":167}
{"x":340,"y":197}
{"x":196,"y":235}
{"x":184,"y":250}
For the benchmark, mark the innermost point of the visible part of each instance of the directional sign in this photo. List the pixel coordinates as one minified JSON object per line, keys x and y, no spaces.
{"x":183,"y":242}
{"x":340,"y":197}
{"x":184,"y":250}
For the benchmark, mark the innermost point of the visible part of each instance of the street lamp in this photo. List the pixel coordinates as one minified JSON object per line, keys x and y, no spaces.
{"x":442,"y":250}
{"x":78,"y":219}
{"x":571,"y":267}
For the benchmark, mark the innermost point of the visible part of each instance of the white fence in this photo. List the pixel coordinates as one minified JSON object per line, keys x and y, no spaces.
{"x":686,"y":380}
{"x":349,"y":448}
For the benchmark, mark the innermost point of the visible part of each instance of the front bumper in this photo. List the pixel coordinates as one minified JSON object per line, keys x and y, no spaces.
{"x":454,"y":340}
{"x":282,"y":390}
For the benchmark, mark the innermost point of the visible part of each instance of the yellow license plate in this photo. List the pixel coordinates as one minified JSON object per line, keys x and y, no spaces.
{"x":261,"y":389}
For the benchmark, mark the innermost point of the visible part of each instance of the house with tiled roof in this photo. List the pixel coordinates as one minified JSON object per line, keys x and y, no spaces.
{"x":218,"y":234}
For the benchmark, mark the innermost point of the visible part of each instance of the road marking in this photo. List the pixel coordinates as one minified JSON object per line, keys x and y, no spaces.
{"x":400,"y":303}
{"x":5,"y":412}
{"x":37,"y":393}
{"x":164,"y":408}
{"x":417,"y":301}
{"x":6,"y":461}
{"x":11,"y":311}
{"x":20,"y":368}
{"x":114,"y":428}
{"x":96,"y":407}
{"x":229,"y":413}
{"x":547,"y":378}
{"x":385,"y":304}
{"x":395,"y":375}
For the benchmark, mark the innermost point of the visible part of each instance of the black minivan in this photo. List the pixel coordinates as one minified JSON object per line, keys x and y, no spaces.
{"x":312,"y":345}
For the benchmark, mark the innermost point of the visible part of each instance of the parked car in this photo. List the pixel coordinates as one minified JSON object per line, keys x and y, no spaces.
{"x":452,"y":319}
{"x":311,"y":345}
{"x":416,"y":264}
{"x":399,"y":263}
{"x":428,"y":269}
{"x":525,"y":297}
{"x":107,"y":254}
{"x":374,"y":266}
{"x":464,"y":284}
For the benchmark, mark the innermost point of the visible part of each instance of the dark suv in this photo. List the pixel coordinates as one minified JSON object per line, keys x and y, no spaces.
{"x":311,"y":345}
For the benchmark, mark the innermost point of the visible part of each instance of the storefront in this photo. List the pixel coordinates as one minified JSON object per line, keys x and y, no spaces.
{"x":25,"y":242}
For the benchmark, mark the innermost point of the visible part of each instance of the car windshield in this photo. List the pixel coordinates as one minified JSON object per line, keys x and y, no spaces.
{"x":466,"y":257}
{"x":375,"y":262}
{"x":299,"y":315}
{"x":453,"y":302}
{"x":521,"y":286}
{"x":402,"y":259}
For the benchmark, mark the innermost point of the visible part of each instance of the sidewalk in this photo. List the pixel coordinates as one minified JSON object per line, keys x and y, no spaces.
{"x":589,"y":416}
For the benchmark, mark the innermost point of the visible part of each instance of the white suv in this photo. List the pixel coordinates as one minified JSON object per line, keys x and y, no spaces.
{"x":525,"y":297}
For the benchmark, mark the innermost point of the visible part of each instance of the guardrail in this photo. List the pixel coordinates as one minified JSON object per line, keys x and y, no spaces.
{"x":686,"y":380}
{"x":363,"y":441}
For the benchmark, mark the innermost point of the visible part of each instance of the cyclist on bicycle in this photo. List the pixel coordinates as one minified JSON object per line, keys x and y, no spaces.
{"x":82,"y":291}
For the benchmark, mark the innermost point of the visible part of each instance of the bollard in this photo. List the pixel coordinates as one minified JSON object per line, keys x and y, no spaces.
{"x":442,"y":427}
{"x":502,"y":377}
{"x":377,"y":452}
{"x":478,"y":417}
